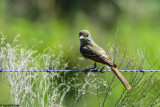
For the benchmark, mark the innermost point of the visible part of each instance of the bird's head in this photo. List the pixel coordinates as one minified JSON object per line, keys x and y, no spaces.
{"x":84,"y":36}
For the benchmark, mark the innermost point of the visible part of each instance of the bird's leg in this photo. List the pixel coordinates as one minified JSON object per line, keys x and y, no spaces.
{"x":95,"y":65}
{"x":93,"y":69}
{"x":102,"y":69}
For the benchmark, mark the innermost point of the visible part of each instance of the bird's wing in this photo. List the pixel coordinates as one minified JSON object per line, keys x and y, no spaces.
{"x":107,"y":59}
{"x":96,"y":54}
{"x":88,"y":53}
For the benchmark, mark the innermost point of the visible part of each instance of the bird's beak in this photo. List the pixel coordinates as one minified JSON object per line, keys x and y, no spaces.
{"x":81,"y":37}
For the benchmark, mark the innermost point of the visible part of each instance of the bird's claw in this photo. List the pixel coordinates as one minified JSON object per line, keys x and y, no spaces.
{"x":94,"y":69}
{"x":101,"y":71}
{"x":90,"y":69}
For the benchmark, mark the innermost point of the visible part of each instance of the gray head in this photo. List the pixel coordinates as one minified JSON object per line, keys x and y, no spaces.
{"x":84,"y":36}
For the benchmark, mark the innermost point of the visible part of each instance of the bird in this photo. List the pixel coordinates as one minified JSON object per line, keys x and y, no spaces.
{"x":90,"y":50}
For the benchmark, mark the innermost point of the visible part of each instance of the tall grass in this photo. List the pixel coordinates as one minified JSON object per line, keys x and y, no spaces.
{"x":68,"y":89}
{"x":40,"y":88}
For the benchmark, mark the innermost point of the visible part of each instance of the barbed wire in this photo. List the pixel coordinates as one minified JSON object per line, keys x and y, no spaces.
{"x":91,"y":70}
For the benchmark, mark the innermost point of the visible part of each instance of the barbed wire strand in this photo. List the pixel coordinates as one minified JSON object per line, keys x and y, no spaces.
{"x":46,"y":70}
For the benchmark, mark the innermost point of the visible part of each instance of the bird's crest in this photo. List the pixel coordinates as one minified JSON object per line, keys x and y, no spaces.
{"x":84,"y":32}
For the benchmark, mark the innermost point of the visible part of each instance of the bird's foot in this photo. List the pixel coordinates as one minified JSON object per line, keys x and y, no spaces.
{"x":94,"y":69}
{"x":101,"y":71}
{"x":90,"y":69}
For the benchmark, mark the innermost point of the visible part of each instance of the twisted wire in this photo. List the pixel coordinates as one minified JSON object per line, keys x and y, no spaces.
{"x":46,"y":70}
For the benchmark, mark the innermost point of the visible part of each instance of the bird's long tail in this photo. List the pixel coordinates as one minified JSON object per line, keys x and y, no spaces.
{"x":121,"y":78}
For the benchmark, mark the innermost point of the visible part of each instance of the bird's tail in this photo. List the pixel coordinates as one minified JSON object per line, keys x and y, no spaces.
{"x":121,"y":78}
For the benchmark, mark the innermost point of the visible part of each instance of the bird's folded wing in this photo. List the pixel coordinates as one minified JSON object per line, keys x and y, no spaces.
{"x":97,"y":54}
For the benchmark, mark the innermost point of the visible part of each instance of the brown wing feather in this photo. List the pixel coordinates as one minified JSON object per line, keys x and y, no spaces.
{"x":107,"y":60}
{"x":97,"y":54}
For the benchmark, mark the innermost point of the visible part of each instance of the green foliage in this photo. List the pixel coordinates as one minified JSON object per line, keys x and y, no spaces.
{"x":57,"y":24}
{"x":54,"y":89}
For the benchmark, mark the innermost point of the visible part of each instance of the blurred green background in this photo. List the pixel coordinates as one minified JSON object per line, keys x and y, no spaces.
{"x":58,"y":22}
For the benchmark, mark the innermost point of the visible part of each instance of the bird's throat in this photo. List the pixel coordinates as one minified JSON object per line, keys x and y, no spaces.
{"x":85,"y":42}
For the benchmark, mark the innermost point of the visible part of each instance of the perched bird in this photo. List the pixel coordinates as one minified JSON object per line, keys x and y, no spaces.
{"x":90,"y":50}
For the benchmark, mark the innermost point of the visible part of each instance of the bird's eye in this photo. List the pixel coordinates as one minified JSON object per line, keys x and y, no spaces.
{"x":87,"y":35}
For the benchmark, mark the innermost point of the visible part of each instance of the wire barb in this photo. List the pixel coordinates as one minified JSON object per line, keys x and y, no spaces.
{"x":48,"y":71}
{"x":141,"y":70}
